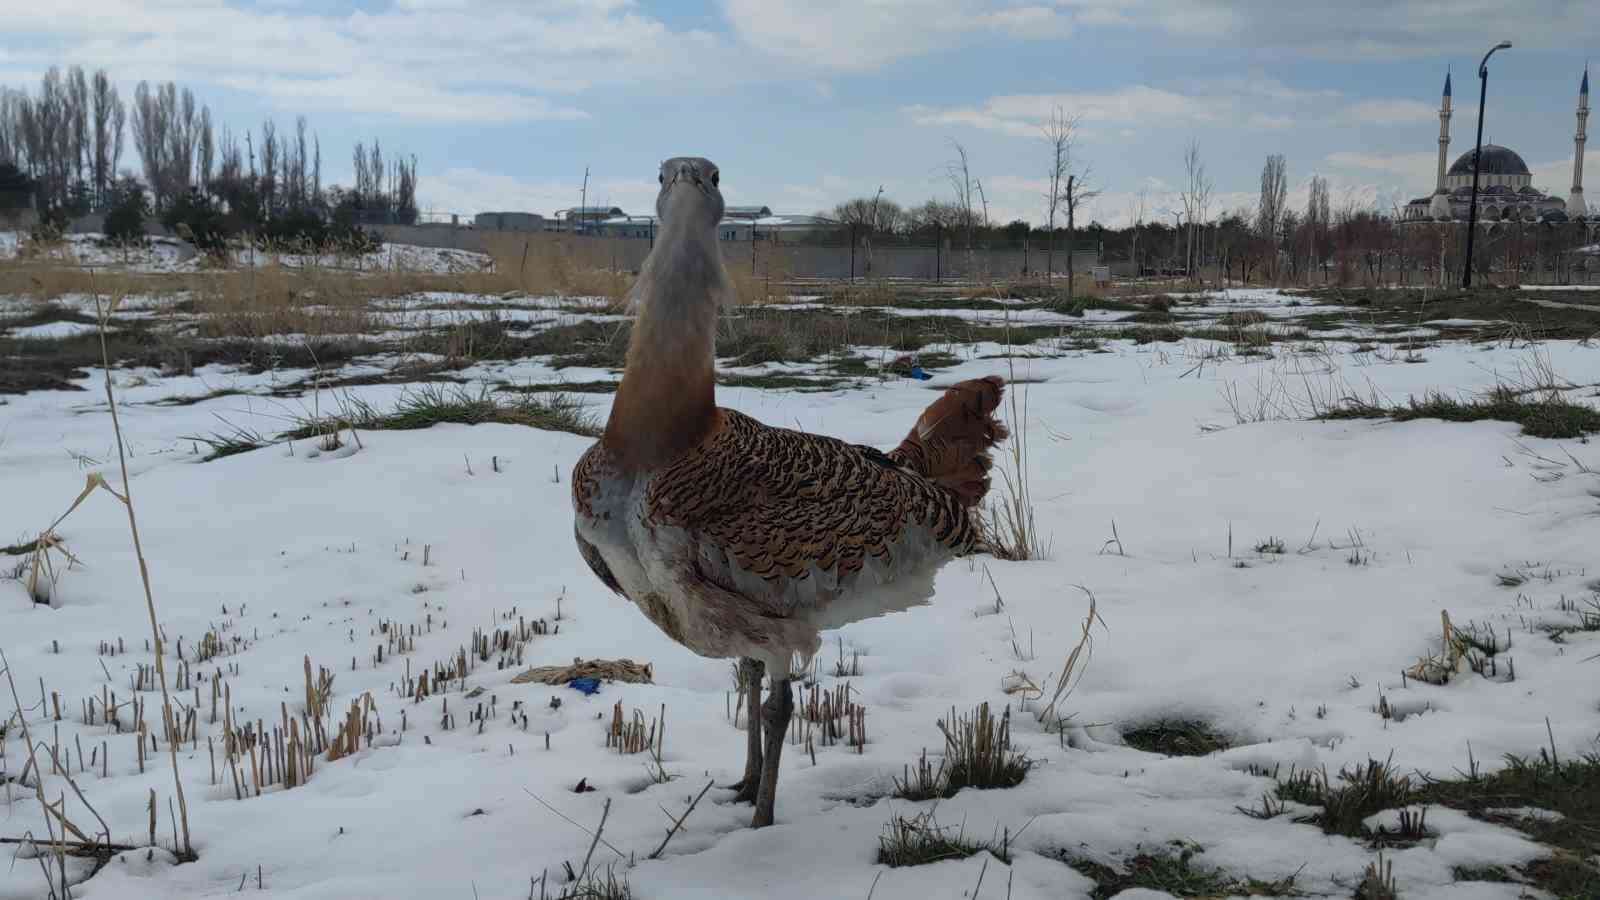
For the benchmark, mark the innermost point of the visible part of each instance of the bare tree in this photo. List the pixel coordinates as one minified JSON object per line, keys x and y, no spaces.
{"x":1060,"y":133}
{"x":105,"y":132}
{"x":959,"y":173}
{"x":152,"y":125}
{"x":268,"y":182}
{"x":868,"y":216}
{"x":119,"y":119}
{"x":1076,"y":194}
{"x":1196,"y":197}
{"x":302,"y":164}
{"x":1317,"y":219}
{"x":1270,"y":207}
{"x":206,"y":150}
{"x":934,"y":213}
{"x":1136,"y":208}
{"x":78,"y":124}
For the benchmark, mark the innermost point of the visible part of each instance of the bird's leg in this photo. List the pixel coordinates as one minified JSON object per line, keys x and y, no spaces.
{"x":775,"y":714}
{"x":750,"y":672}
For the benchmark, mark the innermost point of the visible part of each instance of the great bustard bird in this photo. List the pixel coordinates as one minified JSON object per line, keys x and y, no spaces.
{"x":740,"y":540}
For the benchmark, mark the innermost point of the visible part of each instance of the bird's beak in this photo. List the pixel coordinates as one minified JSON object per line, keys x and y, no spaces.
{"x":687,"y":173}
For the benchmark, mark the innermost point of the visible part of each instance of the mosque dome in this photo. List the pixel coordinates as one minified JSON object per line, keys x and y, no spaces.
{"x":1497,"y":160}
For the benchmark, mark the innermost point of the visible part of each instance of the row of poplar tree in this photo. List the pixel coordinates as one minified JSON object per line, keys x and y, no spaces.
{"x":64,"y":148}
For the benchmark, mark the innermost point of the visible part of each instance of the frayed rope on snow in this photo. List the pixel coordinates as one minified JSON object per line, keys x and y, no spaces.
{"x":602,"y":669}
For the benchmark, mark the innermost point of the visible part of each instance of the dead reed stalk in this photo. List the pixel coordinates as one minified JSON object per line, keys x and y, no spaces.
{"x":1012,"y":530}
{"x":104,"y":311}
{"x":1077,"y":661}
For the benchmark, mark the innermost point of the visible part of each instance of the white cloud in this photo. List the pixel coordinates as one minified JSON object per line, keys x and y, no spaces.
{"x":1269,"y":122}
{"x":1132,"y":106}
{"x":1420,"y":166}
{"x":424,"y":60}
{"x":855,"y":36}
{"x":1555,"y":177}
{"x":1388,"y":112}
{"x":399,"y":99}
{"x":467,"y":191}
{"x":1350,"y":29}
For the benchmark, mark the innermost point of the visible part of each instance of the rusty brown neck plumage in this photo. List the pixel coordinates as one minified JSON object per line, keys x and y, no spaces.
{"x":666,"y":403}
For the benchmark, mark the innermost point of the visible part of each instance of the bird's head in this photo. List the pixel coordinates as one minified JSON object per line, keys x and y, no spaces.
{"x":690,"y":197}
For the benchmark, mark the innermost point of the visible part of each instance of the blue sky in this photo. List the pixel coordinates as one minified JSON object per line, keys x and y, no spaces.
{"x":806,"y":102}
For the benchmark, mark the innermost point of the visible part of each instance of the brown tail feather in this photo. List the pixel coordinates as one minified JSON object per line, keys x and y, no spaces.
{"x":951,"y":441}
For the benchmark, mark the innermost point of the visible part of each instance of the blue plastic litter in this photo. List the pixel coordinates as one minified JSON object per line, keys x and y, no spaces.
{"x":586,"y":685}
{"x":917,"y":373}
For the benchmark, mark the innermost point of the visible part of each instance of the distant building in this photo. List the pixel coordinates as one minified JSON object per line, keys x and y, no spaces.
{"x":1505,"y":185}
{"x":627,"y":227}
{"x":508,"y":221}
{"x":585,"y":218}
{"x":769,"y":227}
{"x":739,"y":223}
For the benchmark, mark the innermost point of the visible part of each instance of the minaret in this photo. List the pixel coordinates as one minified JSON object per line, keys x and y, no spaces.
{"x":1575,"y":207}
{"x":1440,"y":207}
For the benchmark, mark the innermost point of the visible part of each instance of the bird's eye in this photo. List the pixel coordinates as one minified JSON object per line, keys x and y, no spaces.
{"x":661,"y":179}
{"x":716,"y":178}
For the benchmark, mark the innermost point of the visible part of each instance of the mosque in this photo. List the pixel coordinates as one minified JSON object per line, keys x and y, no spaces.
{"x":1505,"y":185}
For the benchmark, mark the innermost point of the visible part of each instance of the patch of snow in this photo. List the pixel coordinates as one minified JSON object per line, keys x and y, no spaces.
{"x":53,"y":331}
{"x":307,"y":553}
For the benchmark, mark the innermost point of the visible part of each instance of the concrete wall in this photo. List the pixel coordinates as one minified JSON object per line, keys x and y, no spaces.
{"x":509,"y":221}
{"x":926,"y":263}
{"x":448,"y":237}
{"x":18,"y":219}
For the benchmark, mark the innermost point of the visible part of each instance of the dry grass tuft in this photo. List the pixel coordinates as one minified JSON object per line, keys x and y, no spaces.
{"x":558,"y":265}
{"x":634,"y":735}
{"x":1013,"y":533}
{"x":921,"y":840}
{"x":1077,"y":662}
{"x":1377,"y":883}
{"x":40,"y":570}
{"x":977,"y":754}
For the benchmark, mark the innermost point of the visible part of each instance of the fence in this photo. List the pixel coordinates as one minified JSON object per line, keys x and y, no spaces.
{"x":837,"y":254}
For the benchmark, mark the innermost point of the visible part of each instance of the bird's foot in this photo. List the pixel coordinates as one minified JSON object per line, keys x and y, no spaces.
{"x":744,"y":790}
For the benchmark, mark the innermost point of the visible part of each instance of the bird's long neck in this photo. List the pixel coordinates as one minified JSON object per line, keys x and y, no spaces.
{"x":666,"y":404}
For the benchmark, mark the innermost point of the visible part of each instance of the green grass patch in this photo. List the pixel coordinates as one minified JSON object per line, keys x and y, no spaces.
{"x":1176,"y":737}
{"x":1587,"y":615}
{"x":1359,"y":793}
{"x":780,"y":381}
{"x":1481,"y":873}
{"x":1243,"y":318}
{"x":234,"y":441}
{"x":561,"y":387}
{"x":776,"y":334}
{"x":1152,"y":317}
{"x":1175,"y":874}
{"x":920,"y":840}
{"x":1564,"y":876}
{"x":1568,"y":787}
{"x":1547,"y":417}
{"x":418,"y":408}
{"x":437,"y":404}
{"x":1080,"y":305}
{"x":20,"y":549}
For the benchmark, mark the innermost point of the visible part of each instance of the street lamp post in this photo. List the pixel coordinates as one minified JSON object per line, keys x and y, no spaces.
{"x":1477,"y":160}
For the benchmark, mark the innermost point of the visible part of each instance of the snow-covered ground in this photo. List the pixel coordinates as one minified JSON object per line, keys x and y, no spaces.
{"x":158,"y":255}
{"x":300,"y":554}
{"x":168,"y":255}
